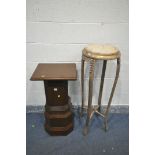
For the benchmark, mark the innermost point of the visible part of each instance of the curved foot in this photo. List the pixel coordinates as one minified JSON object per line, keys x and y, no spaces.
{"x":85,"y":131}
{"x":106,"y":128}
{"x":105,"y":125}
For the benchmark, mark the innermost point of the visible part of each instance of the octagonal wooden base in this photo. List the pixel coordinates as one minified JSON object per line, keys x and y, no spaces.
{"x":59,"y":123}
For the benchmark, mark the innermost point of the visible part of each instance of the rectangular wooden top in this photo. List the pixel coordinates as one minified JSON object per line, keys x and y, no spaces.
{"x":50,"y":71}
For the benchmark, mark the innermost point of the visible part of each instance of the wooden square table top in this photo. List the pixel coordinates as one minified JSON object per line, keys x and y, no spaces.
{"x":55,"y":71}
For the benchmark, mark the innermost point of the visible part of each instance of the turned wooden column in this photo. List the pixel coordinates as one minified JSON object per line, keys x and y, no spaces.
{"x":58,"y":108}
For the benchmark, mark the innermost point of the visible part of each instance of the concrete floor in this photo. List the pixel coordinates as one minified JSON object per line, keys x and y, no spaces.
{"x":113,"y":142}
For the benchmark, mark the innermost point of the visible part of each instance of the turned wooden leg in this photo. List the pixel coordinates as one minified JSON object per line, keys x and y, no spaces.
{"x":82,"y":85}
{"x":101,"y":84}
{"x":112,"y":92}
{"x":91,"y":77}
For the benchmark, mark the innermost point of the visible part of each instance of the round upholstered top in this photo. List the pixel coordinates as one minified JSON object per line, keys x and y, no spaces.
{"x":99,"y":51}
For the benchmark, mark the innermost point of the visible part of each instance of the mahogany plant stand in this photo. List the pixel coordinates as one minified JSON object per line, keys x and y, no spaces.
{"x":58,"y":113}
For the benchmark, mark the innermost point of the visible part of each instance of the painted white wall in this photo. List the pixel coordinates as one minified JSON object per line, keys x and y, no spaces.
{"x":58,"y":30}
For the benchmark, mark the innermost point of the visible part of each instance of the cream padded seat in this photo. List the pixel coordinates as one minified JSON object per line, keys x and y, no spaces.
{"x":99,"y":51}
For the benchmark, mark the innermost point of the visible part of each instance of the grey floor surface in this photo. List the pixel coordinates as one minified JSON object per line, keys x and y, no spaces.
{"x":98,"y":142}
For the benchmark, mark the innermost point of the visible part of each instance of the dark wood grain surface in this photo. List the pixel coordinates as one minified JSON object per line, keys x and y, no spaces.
{"x":50,"y":71}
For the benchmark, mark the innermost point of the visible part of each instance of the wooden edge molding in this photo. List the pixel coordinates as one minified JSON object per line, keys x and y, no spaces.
{"x":52,"y":116}
{"x":53,"y":129}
